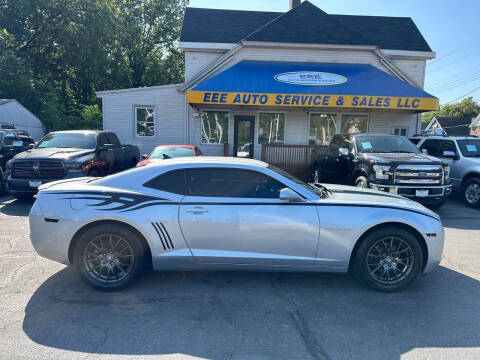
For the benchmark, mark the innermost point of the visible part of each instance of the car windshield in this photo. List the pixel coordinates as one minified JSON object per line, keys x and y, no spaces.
{"x":170,"y":152}
{"x":320,"y":191}
{"x":385,"y":144}
{"x":68,"y":140}
{"x":470,"y":147}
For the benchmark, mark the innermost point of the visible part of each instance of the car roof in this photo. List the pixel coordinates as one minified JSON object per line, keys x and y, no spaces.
{"x":441,"y":137}
{"x":210,"y":160}
{"x":77,"y":132}
{"x":178,"y":146}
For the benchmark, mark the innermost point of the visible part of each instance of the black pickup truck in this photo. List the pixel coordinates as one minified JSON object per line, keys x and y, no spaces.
{"x":12,"y":142}
{"x":388,"y":163}
{"x":68,"y":154}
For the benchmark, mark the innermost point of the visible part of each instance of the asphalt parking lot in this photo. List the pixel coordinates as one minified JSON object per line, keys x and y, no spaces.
{"x":47,"y":313}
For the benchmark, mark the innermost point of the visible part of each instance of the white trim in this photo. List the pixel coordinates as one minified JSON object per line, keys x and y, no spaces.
{"x":306,"y":46}
{"x":201,"y":124}
{"x":205,"y":46}
{"x":258,"y":125}
{"x":135,"y":107}
{"x":111,"y":92}
{"x":407,"y":54}
{"x":393,"y":68}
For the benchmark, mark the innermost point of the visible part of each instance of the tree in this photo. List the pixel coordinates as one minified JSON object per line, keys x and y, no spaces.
{"x":465,"y":108}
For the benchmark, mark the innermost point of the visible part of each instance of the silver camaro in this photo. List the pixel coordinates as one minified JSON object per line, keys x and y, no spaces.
{"x":230,"y":214}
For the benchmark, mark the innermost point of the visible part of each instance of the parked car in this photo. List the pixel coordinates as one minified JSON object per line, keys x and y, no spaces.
{"x":12,"y":142}
{"x":65,"y":155}
{"x":388,"y":163}
{"x":463,"y":155}
{"x":208,"y":213}
{"x":163,"y":152}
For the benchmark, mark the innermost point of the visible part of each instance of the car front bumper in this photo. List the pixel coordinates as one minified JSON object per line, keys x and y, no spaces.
{"x":436,"y":194}
{"x":22,"y":186}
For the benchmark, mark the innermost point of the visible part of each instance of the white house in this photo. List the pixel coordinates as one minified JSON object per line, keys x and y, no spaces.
{"x":255,"y":78}
{"x":14,"y":114}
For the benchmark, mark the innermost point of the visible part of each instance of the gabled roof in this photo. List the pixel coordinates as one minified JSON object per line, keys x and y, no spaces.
{"x":455,"y":126}
{"x":305,"y":23}
{"x":475,"y":121}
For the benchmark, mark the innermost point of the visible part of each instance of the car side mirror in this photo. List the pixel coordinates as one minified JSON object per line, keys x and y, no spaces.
{"x":144,"y":157}
{"x":289,"y":195}
{"x":31,"y":146}
{"x":343,"y":152}
{"x":425,"y":151}
{"x":449,"y":155}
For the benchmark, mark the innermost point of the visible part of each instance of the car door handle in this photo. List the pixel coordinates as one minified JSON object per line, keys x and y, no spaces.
{"x":197,"y":210}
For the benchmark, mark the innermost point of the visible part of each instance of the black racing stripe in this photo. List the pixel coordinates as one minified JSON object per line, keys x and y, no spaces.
{"x":168,"y":235}
{"x":160,"y":236}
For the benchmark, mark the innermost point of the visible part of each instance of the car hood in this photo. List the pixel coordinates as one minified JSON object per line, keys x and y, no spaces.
{"x":366,"y":197}
{"x":66,"y":154}
{"x":402,"y":158}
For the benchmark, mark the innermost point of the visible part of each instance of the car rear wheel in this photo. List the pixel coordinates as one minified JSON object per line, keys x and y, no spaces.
{"x":471,"y":192}
{"x":389,"y":259}
{"x":109,"y":257}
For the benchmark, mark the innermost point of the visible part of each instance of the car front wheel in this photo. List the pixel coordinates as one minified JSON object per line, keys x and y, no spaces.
{"x":109,"y":257}
{"x":361,"y":182}
{"x":389,"y":259}
{"x":471,"y":192}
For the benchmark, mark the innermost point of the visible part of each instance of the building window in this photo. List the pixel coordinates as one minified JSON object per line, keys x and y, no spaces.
{"x":271,"y":128}
{"x":215,"y":127}
{"x":322,"y":128}
{"x":400,"y":131}
{"x":354,"y":124}
{"x":145,"y":121}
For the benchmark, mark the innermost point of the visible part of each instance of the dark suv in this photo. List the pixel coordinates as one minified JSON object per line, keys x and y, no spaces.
{"x":389,"y":163}
{"x":12,"y":142}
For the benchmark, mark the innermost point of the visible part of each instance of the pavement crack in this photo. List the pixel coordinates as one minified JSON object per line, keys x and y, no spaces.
{"x":312,"y":345}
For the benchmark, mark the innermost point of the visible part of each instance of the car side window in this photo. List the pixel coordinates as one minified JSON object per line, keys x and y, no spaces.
{"x":102,"y":139}
{"x":335,"y":143}
{"x":173,"y":182}
{"x":431,"y":146}
{"x":112,"y":139}
{"x":232,"y":183}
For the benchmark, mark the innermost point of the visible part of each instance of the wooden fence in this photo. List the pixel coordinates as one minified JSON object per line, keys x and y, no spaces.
{"x":295,"y":159}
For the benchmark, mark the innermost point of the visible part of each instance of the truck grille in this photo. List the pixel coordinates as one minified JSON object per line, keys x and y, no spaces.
{"x":38,"y":170}
{"x":418,"y":175}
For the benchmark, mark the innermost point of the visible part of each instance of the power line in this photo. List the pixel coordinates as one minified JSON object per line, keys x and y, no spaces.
{"x":454,"y":50}
{"x":452,"y":62}
{"x":459,"y":75}
{"x":455,"y":85}
{"x":477,"y":88}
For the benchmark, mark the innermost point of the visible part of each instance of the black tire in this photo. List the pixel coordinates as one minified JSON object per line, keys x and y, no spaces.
{"x":94,"y":173}
{"x":412,"y":256}
{"x":362,"y":182}
{"x":23,"y":196}
{"x":88,"y":264}
{"x":471,"y":194}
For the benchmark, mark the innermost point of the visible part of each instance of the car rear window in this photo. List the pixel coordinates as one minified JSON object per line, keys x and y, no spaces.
{"x":470,"y":147}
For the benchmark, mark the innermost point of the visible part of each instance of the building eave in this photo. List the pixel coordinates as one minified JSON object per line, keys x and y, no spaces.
{"x":205,"y":46}
{"x":147,"y":88}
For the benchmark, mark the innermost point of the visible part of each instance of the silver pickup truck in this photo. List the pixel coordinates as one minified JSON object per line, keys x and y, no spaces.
{"x":463,"y":155}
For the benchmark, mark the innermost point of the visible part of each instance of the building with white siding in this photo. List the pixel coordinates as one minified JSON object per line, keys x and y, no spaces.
{"x":15,"y":115}
{"x":296,"y":78}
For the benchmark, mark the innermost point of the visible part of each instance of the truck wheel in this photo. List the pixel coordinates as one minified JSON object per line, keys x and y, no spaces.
{"x":133,"y":163}
{"x":361,"y":182}
{"x":388,"y":259}
{"x":471,"y":192}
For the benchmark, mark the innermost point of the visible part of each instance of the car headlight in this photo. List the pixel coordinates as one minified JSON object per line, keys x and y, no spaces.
{"x":381,"y":171}
{"x":8,"y":166}
{"x":446,"y":171}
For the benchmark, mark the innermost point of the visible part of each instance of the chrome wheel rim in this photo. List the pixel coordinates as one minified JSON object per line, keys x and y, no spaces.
{"x":108,"y":258}
{"x":472,"y":193}
{"x":362,"y":184}
{"x":390,"y":260}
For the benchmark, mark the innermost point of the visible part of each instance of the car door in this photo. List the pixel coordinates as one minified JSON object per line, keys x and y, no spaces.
{"x":436,"y":147}
{"x":120,"y":161}
{"x":234,"y":216}
{"x":106,"y":158}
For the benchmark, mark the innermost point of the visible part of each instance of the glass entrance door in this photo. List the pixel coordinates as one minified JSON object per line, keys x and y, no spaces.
{"x":243,"y":137}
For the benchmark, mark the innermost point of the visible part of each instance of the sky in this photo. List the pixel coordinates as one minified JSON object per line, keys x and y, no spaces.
{"x":449,"y":26}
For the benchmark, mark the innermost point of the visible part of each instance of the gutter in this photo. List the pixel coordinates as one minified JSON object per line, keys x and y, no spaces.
{"x":394,"y":69}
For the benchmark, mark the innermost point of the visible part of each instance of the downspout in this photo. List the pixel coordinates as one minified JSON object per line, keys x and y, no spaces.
{"x":186,"y":119}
